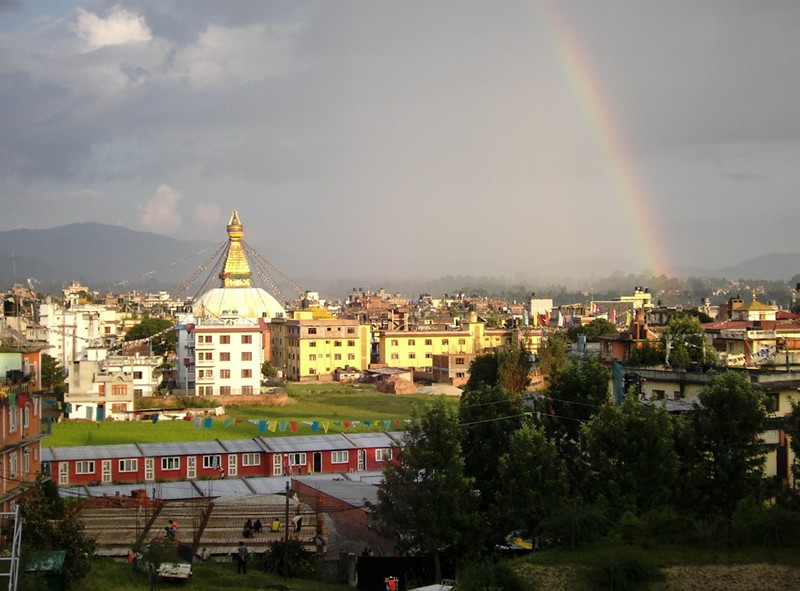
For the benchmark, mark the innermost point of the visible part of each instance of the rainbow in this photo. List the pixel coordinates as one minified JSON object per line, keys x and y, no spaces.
{"x":646,"y":242}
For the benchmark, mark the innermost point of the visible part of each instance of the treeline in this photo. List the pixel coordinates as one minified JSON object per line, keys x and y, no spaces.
{"x":569,"y":467}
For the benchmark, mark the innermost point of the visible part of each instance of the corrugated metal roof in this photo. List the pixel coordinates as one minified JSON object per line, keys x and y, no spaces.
{"x":241,"y":445}
{"x":95,"y":452}
{"x":363,"y":440}
{"x":181,"y":448}
{"x":307,"y":443}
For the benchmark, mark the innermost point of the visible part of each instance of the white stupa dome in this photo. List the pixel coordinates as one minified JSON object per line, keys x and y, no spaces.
{"x":241,"y":302}
{"x":236,"y":298}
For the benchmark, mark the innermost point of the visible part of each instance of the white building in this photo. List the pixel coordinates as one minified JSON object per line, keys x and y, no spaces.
{"x":72,"y":330}
{"x":220,"y":345}
{"x":98,"y":389}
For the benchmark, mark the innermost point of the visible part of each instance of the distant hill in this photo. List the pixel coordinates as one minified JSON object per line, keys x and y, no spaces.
{"x":97,"y":254}
{"x":105,"y":257}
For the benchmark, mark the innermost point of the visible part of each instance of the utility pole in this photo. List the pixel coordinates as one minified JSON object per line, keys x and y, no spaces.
{"x":286,"y":538}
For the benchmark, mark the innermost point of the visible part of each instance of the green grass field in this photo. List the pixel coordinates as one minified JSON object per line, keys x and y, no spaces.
{"x":335,"y":408}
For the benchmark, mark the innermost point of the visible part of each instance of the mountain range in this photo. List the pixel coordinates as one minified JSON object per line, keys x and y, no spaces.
{"x":115,"y":258}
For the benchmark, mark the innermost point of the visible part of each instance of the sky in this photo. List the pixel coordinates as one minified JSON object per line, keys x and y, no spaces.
{"x":416,"y":138}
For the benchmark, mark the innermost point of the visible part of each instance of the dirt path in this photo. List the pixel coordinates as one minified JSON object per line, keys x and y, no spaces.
{"x":745,"y":577}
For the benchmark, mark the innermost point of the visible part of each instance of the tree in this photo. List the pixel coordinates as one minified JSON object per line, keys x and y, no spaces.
{"x":509,"y":366}
{"x":575,"y":395}
{"x":594,"y":330}
{"x":268,"y":370}
{"x":531,"y":478}
{"x":489,"y":416}
{"x":793,"y":431}
{"x":48,"y":527}
{"x":683,"y":340}
{"x":632,"y":454}
{"x":52,"y":374}
{"x":158,"y":330}
{"x":427,"y":502}
{"x":645,"y":354}
{"x":729,"y":461}
{"x":553,"y":354}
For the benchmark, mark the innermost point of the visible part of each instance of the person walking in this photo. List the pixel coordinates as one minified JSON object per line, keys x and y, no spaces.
{"x":242,"y":553}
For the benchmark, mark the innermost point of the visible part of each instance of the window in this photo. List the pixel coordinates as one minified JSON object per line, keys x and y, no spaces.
{"x":26,"y":461}
{"x":247,"y":355}
{"x":137,"y":375}
{"x":136,"y":392}
{"x":12,"y":464}
{"x":337,"y":357}
{"x":206,"y":339}
{"x":395,"y":356}
{"x":340,"y":457}
{"x":247,"y":373}
{"x":462,"y":341}
{"x":225,"y":374}
{"x":247,"y":390}
{"x":312,"y":343}
{"x":312,"y":357}
{"x":312,"y":330}
{"x":26,"y":417}
{"x":225,"y":339}
{"x":428,"y":355}
{"x":337,"y":343}
{"x":445,"y":341}
{"x":312,"y":370}
{"x":351,"y":330}
{"x":383,"y":454}
{"x":351,"y":343}
{"x":297,"y":459}
{"x":171,"y":463}
{"x":351,"y":356}
{"x":428,"y":341}
{"x":412,"y":342}
{"x":84,"y":467}
{"x":412,"y":355}
{"x":247,"y":339}
{"x":225,"y":390}
{"x":13,"y":418}
{"x":251,"y":459}
{"x":226,"y":356}
{"x":212,"y":462}
{"x":119,"y":390}
{"x":119,"y":406}
{"x":394,"y":342}
{"x":128,"y":465}
{"x":459,"y":361}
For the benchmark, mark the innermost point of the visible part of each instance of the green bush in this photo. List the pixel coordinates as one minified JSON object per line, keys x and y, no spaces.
{"x":576,"y":524}
{"x":622,"y":569}
{"x":290,"y":559}
{"x":772,"y":527}
{"x":490,"y":576}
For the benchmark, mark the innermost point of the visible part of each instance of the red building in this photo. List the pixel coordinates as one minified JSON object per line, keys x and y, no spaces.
{"x":204,"y":460}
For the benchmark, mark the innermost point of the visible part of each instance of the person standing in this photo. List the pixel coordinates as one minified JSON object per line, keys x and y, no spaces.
{"x":242,"y":553}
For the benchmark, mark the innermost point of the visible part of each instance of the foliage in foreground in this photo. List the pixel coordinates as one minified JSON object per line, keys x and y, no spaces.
{"x":289,"y":559}
{"x":47,"y":527}
{"x":490,"y":576}
{"x":622,"y":569}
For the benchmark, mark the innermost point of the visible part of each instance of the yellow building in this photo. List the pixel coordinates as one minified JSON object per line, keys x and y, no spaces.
{"x":311,"y":344}
{"x":415,"y":349}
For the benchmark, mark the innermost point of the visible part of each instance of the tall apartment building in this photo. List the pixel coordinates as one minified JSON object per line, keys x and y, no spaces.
{"x":311,"y":345}
{"x":20,"y":416}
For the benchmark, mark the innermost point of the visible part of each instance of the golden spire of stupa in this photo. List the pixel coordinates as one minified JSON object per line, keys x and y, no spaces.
{"x":236,"y":272}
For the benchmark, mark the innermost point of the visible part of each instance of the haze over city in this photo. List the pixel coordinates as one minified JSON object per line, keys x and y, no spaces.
{"x":418,"y":137}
